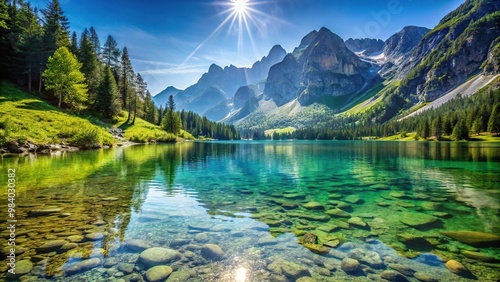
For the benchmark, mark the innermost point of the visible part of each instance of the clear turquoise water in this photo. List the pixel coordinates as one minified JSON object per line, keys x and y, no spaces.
{"x":237,"y":195}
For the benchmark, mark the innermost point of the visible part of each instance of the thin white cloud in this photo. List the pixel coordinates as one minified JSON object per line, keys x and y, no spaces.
{"x":174,"y":71}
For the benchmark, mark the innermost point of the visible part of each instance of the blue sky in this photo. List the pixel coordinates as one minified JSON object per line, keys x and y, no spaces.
{"x":173,"y":42}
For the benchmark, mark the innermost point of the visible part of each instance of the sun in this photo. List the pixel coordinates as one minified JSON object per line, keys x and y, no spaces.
{"x":240,"y":6}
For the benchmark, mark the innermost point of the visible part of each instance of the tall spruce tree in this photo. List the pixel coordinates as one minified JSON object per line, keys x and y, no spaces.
{"x":55,"y":28}
{"x":74,"y":43}
{"x":90,"y":67}
{"x":127,"y":82}
{"x":171,"y":121}
{"x":107,"y":103}
{"x":94,"y":38}
{"x":111,"y":53}
{"x":494,"y":121}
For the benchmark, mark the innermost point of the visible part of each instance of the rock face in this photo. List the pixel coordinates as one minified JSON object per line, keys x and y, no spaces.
{"x":320,"y":67}
{"x":158,"y":256}
{"x":400,"y":46}
{"x":473,"y":238}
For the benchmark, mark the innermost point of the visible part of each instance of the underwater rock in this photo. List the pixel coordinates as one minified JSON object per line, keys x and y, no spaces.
{"x":42,"y":212}
{"x":136,"y":245}
{"x":456,"y":267}
{"x":392,"y":275}
{"x":328,"y":228}
{"x":22,"y":267}
{"x":335,"y":196}
{"x":341,"y":205}
{"x":267,"y":240}
{"x":94,"y":236}
{"x":318,"y":249}
{"x":370,"y":258}
{"x":294,"y":196}
{"x":417,"y":220}
{"x":51,"y":246}
{"x":479,"y":256}
{"x":290,"y":206}
{"x":313,"y":206}
{"x":403,"y":269}
{"x":309,"y":238}
{"x":212,"y":252}
{"x":291,"y":270}
{"x":332,"y":244}
{"x":157,"y":256}
{"x":75,"y":238}
{"x":353,"y":199}
{"x":337,"y":213}
{"x":424,"y":277}
{"x":81,"y":266}
{"x":200,"y":227}
{"x":179,"y":276}
{"x":473,"y":238}
{"x":357,"y":221}
{"x":158,"y":273}
{"x":350,"y":265}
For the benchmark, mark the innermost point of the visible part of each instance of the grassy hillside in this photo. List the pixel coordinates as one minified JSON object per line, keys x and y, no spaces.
{"x":26,"y":117}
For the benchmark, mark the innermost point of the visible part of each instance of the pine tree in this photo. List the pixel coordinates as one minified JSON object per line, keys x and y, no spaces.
{"x":94,"y":38}
{"x":437,"y":127}
{"x":107,"y":103}
{"x":74,"y":43}
{"x":90,"y":67}
{"x":64,"y":78}
{"x":171,"y":121}
{"x":477,"y":125}
{"x":110,"y":53}
{"x":494,"y":121}
{"x":460,"y":131}
{"x":127,"y":76}
{"x":55,"y":28}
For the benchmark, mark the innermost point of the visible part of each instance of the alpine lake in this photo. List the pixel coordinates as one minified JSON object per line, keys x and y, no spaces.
{"x":257,"y":211}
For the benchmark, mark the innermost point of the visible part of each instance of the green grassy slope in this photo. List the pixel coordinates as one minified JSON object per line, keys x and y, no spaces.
{"x":26,"y":117}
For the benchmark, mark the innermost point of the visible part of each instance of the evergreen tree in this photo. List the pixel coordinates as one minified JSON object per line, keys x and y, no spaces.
{"x":477,"y":125}
{"x":4,"y":15}
{"x":171,"y":121}
{"x":6,"y":49}
{"x":107,"y":103}
{"x":64,"y":78}
{"x":437,"y":127}
{"x":494,"y":121}
{"x":149,"y":109}
{"x":110,"y":53}
{"x":55,"y":28}
{"x":90,"y":67}
{"x":127,"y":76}
{"x":460,"y":131}
{"x":74,"y":43}
{"x":94,"y":38}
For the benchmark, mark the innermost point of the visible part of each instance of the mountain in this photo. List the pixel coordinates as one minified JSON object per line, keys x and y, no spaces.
{"x":161,"y":99}
{"x":451,"y":52}
{"x":399,"y":48}
{"x":366,"y":46}
{"x":218,"y":86}
{"x":321,"y":67}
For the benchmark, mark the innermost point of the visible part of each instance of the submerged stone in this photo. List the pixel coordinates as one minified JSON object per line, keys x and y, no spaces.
{"x":357,"y":221}
{"x":212,"y":252}
{"x":267,"y":240}
{"x":318,"y":249}
{"x":158,"y":273}
{"x":479,"y":256}
{"x":392,"y":275}
{"x":474,"y":238}
{"x":51,"y":246}
{"x":136,"y":245}
{"x":291,"y":270}
{"x":42,"y":212}
{"x":332,"y":244}
{"x":294,"y":196}
{"x":370,"y":258}
{"x":158,"y":256}
{"x":456,"y":267}
{"x":313,"y":206}
{"x":350,"y":265}
{"x":309,"y":238}
{"x":424,"y":277}
{"x":81,"y":266}
{"x":22,"y":267}
{"x":403,"y":269}
{"x":417,"y":220}
{"x":337,"y":213}
{"x":353,"y":199}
